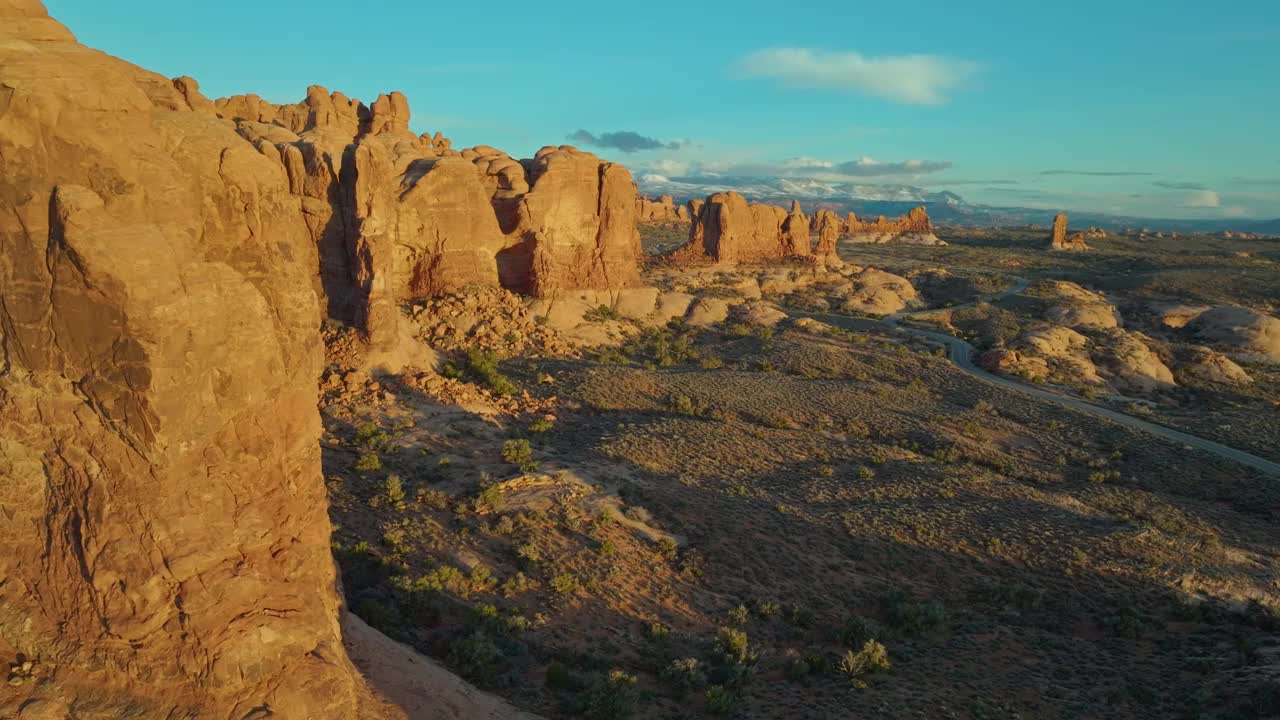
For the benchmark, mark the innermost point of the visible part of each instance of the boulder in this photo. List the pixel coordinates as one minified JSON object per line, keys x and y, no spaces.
{"x":707,"y":311}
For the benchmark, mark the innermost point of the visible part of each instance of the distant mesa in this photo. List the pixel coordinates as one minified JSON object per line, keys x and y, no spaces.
{"x":1060,"y":241}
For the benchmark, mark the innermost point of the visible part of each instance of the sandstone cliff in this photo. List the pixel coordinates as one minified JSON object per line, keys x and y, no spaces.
{"x":163,"y":512}
{"x":914,"y":228}
{"x":728,"y":229}
{"x":397,"y":217}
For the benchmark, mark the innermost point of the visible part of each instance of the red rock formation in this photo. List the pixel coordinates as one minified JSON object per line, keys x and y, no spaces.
{"x":828,"y":226}
{"x":166,"y":540}
{"x":1059,"y":239}
{"x":430,"y":222}
{"x":916,"y":221}
{"x":728,"y":229}
{"x":579,"y":222}
{"x":662,"y":210}
{"x":795,"y":232}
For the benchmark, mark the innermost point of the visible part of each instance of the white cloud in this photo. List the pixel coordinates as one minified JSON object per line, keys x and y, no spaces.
{"x":1203,"y":199}
{"x":914,"y":79}
{"x":669,"y":167}
{"x":807,"y":162}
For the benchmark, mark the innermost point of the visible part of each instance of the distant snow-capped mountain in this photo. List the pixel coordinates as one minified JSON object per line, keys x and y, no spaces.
{"x":786,"y":189}
{"x":944,"y":207}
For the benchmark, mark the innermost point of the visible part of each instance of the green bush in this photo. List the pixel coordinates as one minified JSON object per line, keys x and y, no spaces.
{"x":368,"y":462}
{"x":872,"y":658}
{"x":684,"y":674}
{"x":475,"y":656}
{"x":613,"y":698}
{"x":482,"y":367}
{"x":601,"y":313}
{"x":721,"y":700}
{"x":911,"y":617}
{"x":858,"y":630}
{"x":734,"y":646}
{"x":564,"y":584}
{"x":519,"y":453}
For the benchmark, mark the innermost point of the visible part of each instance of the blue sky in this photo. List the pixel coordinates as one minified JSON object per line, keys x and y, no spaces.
{"x":1165,"y":109}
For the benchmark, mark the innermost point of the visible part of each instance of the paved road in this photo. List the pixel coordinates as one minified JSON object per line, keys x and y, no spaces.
{"x":962,"y":353}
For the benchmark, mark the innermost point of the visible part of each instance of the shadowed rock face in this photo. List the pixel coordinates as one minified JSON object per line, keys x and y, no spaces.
{"x":166,"y":540}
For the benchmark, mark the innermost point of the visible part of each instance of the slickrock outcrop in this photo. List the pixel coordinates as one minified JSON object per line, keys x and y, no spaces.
{"x":1072,"y":306}
{"x":661,"y":210}
{"x":914,"y":228}
{"x":166,"y":541}
{"x":1060,"y":241}
{"x":1244,"y":332}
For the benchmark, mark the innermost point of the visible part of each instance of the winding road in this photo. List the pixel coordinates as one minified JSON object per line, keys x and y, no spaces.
{"x":961,"y":353}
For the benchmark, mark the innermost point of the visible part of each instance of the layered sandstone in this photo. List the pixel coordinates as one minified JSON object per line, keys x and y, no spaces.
{"x":1059,"y":240}
{"x":397,"y":216}
{"x":163,"y":512}
{"x":728,"y":229}
{"x":914,"y":228}
{"x":659,"y":210}
{"x":828,"y":226}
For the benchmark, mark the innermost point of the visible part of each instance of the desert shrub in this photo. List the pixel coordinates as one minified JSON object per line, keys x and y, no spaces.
{"x":482,"y":367}
{"x":858,"y":630}
{"x":601,"y":313}
{"x":391,"y":492}
{"x":657,"y":632}
{"x":559,"y":677}
{"x":910,"y":617}
{"x":475,"y":656}
{"x":541,"y":425}
{"x":766,"y":608}
{"x":370,"y":436}
{"x":564,"y":584}
{"x":734,"y":646}
{"x":529,"y":553}
{"x":1125,"y":622}
{"x":434,"y":499}
{"x":519,"y":453}
{"x":613,"y":698}
{"x":685,"y":405}
{"x":684,"y":674}
{"x":872,"y":658}
{"x":711,"y":363}
{"x":378,"y":614}
{"x":739,"y":615}
{"x":721,"y":700}
{"x":489,"y":499}
{"x":517,"y":584}
{"x":368,"y":462}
